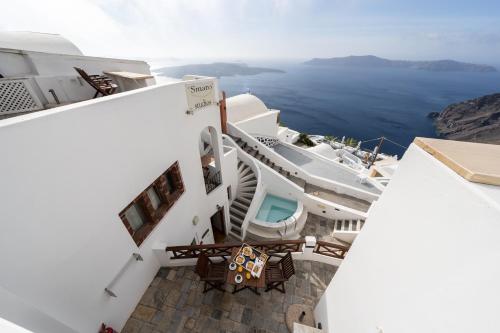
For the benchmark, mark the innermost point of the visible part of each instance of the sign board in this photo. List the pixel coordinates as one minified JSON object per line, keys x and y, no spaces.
{"x":200,"y":95}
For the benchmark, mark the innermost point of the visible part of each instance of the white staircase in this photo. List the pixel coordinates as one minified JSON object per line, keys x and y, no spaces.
{"x":347,"y":230}
{"x":247,"y":183}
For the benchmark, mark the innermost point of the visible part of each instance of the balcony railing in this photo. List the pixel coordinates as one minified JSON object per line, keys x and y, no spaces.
{"x":212,"y":181}
{"x":330,"y":249}
{"x":224,"y":249}
{"x":273,"y":248}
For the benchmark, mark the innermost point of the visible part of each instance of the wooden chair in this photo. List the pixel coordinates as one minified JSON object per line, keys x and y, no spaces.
{"x":213,"y":274}
{"x":278,"y":273}
{"x":101,"y":83}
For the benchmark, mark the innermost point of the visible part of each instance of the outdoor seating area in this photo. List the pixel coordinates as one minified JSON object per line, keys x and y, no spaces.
{"x":248,"y":268}
{"x":101,"y":83}
{"x":175,"y":302}
{"x":203,"y":295}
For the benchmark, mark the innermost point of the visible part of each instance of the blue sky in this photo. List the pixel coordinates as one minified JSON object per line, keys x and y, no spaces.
{"x":300,"y":29}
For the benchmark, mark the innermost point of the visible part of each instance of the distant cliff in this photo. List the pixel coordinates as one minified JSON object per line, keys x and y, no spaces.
{"x":373,"y":61}
{"x":475,"y":120}
{"x":216,"y":69}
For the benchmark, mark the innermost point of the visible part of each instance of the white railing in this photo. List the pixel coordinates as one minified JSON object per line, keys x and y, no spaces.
{"x":351,"y":160}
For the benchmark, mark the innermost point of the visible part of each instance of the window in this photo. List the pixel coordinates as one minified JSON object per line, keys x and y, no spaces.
{"x":170,"y":182}
{"x":135,"y":216}
{"x":154,"y":197}
{"x":149,"y":207}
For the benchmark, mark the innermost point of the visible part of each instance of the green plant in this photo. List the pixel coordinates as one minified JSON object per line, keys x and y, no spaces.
{"x":304,"y":139}
{"x":351,"y":142}
{"x":331,"y":138}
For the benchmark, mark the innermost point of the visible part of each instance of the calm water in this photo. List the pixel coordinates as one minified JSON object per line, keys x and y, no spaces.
{"x":361,"y":103}
{"x":274,"y":208}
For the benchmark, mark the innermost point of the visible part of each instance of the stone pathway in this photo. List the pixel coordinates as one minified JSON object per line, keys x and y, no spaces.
{"x":321,"y":228}
{"x":174,"y":302}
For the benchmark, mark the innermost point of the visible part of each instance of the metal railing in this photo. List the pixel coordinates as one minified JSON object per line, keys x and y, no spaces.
{"x":212,"y":181}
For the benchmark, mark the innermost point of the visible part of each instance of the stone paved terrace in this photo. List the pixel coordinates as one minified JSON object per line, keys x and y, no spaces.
{"x":174,"y":302}
{"x":322,"y":228}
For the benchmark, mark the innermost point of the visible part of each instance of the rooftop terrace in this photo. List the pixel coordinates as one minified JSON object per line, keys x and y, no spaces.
{"x":323,"y":169}
{"x":174,"y":302}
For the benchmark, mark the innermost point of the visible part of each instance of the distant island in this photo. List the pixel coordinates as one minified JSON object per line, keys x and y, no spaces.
{"x":216,"y":69}
{"x":476,"y":120}
{"x":373,"y":61}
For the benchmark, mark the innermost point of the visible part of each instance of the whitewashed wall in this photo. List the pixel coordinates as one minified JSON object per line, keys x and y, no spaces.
{"x":264,"y":124}
{"x":427,"y":259}
{"x":55,"y":71}
{"x":64,"y":177}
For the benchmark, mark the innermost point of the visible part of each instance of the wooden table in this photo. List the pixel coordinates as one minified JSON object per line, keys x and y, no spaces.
{"x":130,"y":80}
{"x":253,"y":283}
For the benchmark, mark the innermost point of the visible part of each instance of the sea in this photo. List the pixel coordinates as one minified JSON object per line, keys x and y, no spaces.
{"x":362,"y":103}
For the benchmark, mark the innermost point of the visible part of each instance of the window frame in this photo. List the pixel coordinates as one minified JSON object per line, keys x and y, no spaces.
{"x":167,"y":199}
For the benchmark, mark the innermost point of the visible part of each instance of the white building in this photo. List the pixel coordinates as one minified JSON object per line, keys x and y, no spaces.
{"x":427,"y":259}
{"x":92,"y":191}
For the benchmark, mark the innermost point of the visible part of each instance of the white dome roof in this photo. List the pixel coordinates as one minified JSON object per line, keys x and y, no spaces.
{"x":38,"y":42}
{"x":245,"y":106}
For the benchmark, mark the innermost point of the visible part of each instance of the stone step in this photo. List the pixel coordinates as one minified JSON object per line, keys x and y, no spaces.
{"x":235,"y":213}
{"x":250,"y":182}
{"x":238,"y":208}
{"x":248,"y":189}
{"x":245,"y":173}
{"x":242,"y":206}
{"x":244,"y":201}
{"x":235,"y":220}
{"x":236,"y":231}
{"x":246,"y":195}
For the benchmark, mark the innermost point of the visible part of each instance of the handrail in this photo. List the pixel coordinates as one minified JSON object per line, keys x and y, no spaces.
{"x":270,"y":247}
{"x":330,"y":249}
{"x":212,"y":181}
{"x":224,"y":249}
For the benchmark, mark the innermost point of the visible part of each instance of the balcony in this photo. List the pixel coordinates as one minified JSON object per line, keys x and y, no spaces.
{"x":175,"y":302}
{"x":212,"y":179}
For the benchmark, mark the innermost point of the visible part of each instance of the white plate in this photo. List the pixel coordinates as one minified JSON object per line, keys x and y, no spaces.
{"x":238,"y":278}
{"x":232,"y":266}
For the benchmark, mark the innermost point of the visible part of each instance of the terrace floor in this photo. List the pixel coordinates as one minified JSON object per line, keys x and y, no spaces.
{"x":323,"y":169}
{"x":322,"y":228}
{"x":174,"y":302}
{"x":342,"y":199}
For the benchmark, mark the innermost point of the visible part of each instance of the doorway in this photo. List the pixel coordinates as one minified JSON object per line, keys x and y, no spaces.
{"x":218,"y":226}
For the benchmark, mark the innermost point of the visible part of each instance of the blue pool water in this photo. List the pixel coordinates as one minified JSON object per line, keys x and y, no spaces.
{"x":274,"y":208}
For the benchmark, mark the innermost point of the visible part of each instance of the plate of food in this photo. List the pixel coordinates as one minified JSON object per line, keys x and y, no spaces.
{"x":233,"y":266}
{"x":249,"y":265}
{"x":247,"y":251}
{"x":239,"y":260}
{"x":238,"y":278}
